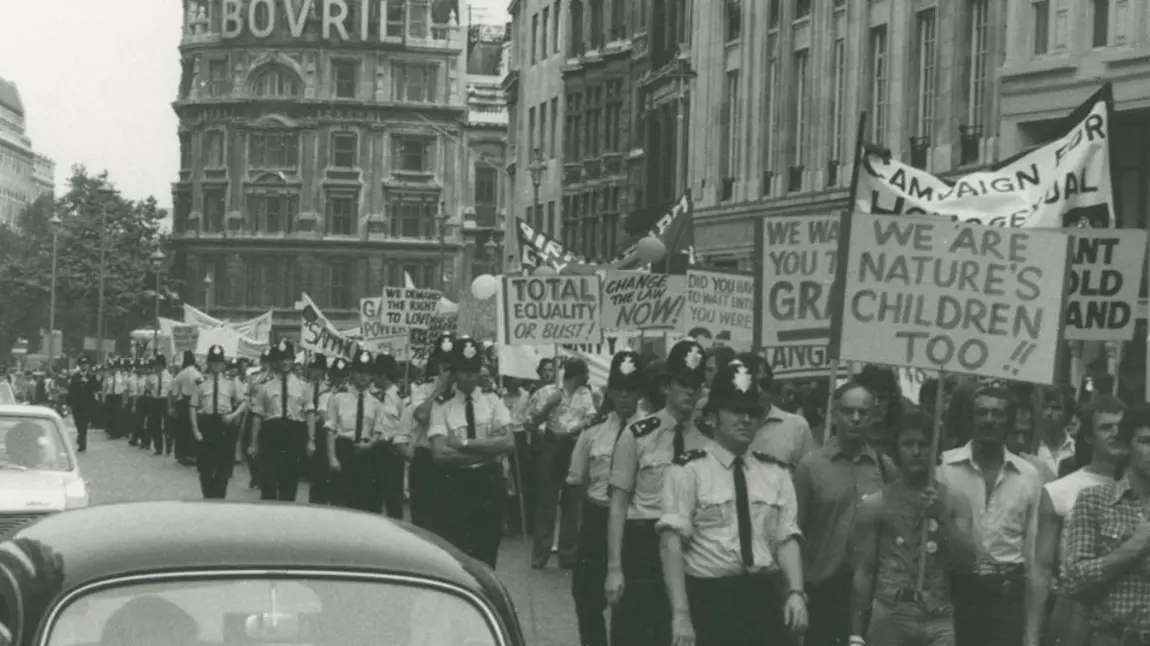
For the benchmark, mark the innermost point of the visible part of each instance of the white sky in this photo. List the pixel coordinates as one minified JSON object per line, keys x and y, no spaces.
{"x":97,"y":79}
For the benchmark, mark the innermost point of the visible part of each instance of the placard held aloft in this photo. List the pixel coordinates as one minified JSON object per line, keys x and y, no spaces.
{"x":540,"y":310}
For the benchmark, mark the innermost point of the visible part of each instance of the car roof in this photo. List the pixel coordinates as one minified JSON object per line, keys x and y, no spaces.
{"x":113,"y":540}
{"x":25,"y":410}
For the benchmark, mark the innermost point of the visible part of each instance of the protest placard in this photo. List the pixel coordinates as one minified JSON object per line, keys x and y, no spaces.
{"x":798,"y":266}
{"x":542,"y":310}
{"x":721,"y":307}
{"x":798,"y":361}
{"x":943,"y":295}
{"x":377,"y":336}
{"x":185,"y":337}
{"x":408,"y":308}
{"x":477,"y":318}
{"x":317,"y":334}
{"x":1105,"y":274}
{"x":635,"y":300}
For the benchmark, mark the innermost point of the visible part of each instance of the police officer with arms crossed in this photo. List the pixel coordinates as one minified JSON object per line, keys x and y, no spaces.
{"x":470,"y":431}
{"x":425,"y":476}
{"x":282,"y":410}
{"x":729,"y":528}
{"x":216,"y":405}
{"x":391,"y":455}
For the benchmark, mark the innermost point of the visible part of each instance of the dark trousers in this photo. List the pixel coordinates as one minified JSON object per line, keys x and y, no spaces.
{"x":643,"y":615}
{"x":590,"y":575}
{"x":113,"y":411}
{"x":83,"y":418}
{"x":282,"y":449}
{"x":988,"y":609}
{"x":138,"y":418}
{"x":245,"y":444}
{"x":552,"y":463}
{"x":185,"y":442}
{"x":427,"y":490}
{"x":359,"y":484}
{"x":392,"y":466}
{"x":472,"y":512}
{"x":744,"y":610}
{"x":522,"y":468}
{"x":829,"y":606}
{"x":214,"y":455}
{"x":319,"y":472}
{"x":157,"y":416}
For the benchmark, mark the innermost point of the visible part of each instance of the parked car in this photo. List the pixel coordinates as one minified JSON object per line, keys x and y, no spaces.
{"x":39,"y":472}
{"x":224,"y":573}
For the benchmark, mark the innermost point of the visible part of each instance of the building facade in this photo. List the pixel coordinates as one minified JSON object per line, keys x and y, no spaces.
{"x":320,"y":152}
{"x":780,"y":84}
{"x":533,"y":88}
{"x":24,"y":174}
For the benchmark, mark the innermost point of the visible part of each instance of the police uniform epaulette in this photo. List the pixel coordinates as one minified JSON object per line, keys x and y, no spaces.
{"x":690,"y":456}
{"x":767,"y":457}
{"x":444,"y":398}
{"x":645,"y":426}
{"x":598,"y":419}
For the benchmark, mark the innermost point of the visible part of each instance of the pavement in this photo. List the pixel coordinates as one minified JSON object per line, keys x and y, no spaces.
{"x":118,"y":472}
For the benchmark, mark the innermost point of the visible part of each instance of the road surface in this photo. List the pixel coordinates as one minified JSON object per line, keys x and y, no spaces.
{"x":118,"y":472}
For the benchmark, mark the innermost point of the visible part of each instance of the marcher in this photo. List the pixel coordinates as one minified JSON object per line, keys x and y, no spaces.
{"x":179,"y":403}
{"x":114,"y":387}
{"x":425,"y":477}
{"x":470,"y":432}
{"x":138,"y":397}
{"x":282,"y":408}
{"x":261,"y":376}
{"x":319,"y":471}
{"x":159,"y":386}
{"x":390,"y":455}
{"x":355,"y":431}
{"x":784,"y":436}
{"x":589,"y":476}
{"x":215,"y":406}
{"x":641,"y":612}
{"x":83,"y":399}
{"x":729,"y":530}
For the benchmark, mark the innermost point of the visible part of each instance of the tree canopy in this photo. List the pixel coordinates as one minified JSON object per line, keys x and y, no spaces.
{"x":91,"y":213}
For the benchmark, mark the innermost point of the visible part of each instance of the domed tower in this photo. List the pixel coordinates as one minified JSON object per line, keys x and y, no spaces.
{"x":320,"y":152}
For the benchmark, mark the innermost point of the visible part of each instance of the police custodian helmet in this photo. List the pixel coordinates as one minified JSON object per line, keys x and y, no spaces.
{"x":362,"y":362}
{"x":318,"y":362}
{"x":687,"y":362}
{"x":734,"y":388}
{"x":385,"y":365}
{"x":284,"y":350}
{"x":467,"y":355}
{"x":626,"y":371}
{"x":216,"y":353}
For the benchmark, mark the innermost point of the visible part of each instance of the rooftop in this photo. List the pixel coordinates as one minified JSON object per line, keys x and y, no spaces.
{"x":10,"y":97}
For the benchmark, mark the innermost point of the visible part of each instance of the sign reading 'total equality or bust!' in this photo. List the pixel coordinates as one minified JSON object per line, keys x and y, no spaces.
{"x":960,"y":297}
{"x":542,"y":310}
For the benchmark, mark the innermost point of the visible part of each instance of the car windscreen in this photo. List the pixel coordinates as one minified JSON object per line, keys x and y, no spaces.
{"x":32,"y":443}
{"x":272,"y":611}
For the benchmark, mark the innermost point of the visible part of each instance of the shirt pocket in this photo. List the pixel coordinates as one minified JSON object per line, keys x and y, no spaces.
{"x":1012,"y":520}
{"x":766,"y":512}
{"x":714,"y":511}
{"x":1113,"y":533}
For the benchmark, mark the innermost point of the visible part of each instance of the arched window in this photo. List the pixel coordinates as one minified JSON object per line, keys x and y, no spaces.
{"x":276,"y":82}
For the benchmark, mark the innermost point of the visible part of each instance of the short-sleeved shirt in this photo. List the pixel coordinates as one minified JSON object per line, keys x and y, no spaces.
{"x":159,"y":385}
{"x":591,"y":457}
{"x":517,"y":405}
{"x":574,"y":410}
{"x":420,"y":392}
{"x":699,"y":506}
{"x":342,"y":410}
{"x":642,"y":455}
{"x":269,"y":402}
{"x":449,"y":419}
{"x":205,"y":397}
{"x":784,"y":436}
{"x":320,"y":393}
{"x":184,"y":384}
{"x":391,"y":420}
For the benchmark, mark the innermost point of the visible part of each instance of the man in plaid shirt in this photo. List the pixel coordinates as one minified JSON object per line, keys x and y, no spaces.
{"x":1106,"y":565}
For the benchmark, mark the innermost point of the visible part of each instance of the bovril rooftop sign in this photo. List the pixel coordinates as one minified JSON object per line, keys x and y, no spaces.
{"x":260,"y":18}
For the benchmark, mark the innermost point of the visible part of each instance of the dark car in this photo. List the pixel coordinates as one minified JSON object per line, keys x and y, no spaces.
{"x":218,"y":573}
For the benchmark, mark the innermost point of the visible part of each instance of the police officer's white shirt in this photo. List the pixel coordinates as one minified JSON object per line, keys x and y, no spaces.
{"x":492,"y":419}
{"x":391,"y":420}
{"x":699,"y":506}
{"x":342,"y":410}
{"x":205,"y":398}
{"x":591,"y":457}
{"x":268,"y":402}
{"x":642,"y":454}
{"x":420,"y":392}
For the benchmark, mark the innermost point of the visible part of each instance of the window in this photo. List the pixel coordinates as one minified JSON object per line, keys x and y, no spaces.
{"x":543,"y":130}
{"x":926,"y":80}
{"x":774,"y":14}
{"x":273,"y":150}
{"x":575,"y":47}
{"x":978,"y":90}
{"x":218,"y":77}
{"x":185,"y":151}
{"x":802,"y":105}
{"x":728,"y":127}
{"x":1101,"y":23}
{"x":181,"y":210}
{"x":215,"y":148}
{"x":555,"y":27}
{"x":614,"y":128}
{"x":878,"y":84}
{"x":412,"y":217}
{"x":770,"y":112}
{"x":340,"y":279}
{"x":486,"y":194}
{"x":531,"y":131}
{"x":418,"y":16}
{"x":1040,"y":10}
{"x":838,"y":100}
{"x":342,"y":214}
{"x":344,"y":73}
{"x":272,"y":213}
{"x":618,"y":21}
{"x":802,"y":8}
{"x":596,"y":26}
{"x":543,"y":51}
{"x":394,"y":28}
{"x":413,"y":156}
{"x":534,"y":39}
{"x":414,"y":82}
{"x":343,"y":149}
{"x":276,"y":82}
{"x":734,"y":19}
{"x":214,"y":207}
{"x":551,"y":136}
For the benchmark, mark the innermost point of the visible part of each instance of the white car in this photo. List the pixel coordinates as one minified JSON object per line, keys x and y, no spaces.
{"x":39,"y":472}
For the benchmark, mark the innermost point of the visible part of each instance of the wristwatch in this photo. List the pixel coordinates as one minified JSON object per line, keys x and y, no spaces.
{"x":797,"y":593}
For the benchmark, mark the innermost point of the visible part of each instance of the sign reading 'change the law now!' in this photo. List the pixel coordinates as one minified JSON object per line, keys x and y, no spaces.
{"x":960,"y":297}
{"x":544,"y":310}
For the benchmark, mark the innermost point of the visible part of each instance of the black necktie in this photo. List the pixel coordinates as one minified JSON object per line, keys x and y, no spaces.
{"x":743,"y":511}
{"x":315,"y":397}
{"x":285,"y":399}
{"x":216,"y":394}
{"x":160,"y":387}
{"x":359,"y":418}
{"x":678,"y":441}
{"x":469,"y":411}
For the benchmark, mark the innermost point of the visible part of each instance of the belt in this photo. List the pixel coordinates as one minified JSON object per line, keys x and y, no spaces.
{"x":998,"y":569}
{"x":906,"y":595}
{"x":1127,"y":635}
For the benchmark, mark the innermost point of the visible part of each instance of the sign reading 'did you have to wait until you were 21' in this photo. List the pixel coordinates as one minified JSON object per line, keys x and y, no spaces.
{"x":545,"y":310}
{"x":926,"y":292}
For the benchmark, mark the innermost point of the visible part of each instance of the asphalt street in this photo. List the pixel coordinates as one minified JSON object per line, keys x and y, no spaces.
{"x":118,"y":472}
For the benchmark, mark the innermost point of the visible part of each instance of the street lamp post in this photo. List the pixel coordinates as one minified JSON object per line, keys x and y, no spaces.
{"x":492,"y":247}
{"x":536,"y":169}
{"x":441,"y":218}
{"x":683,"y":73}
{"x":55,"y":223}
{"x":104,"y":194}
{"x":208,"y":293}
{"x":157,"y":259}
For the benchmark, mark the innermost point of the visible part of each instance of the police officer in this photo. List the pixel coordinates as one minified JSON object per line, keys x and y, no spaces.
{"x":425,"y":477}
{"x":262,"y":374}
{"x":470,"y":432}
{"x":139,"y":398}
{"x":179,"y":403}
{"x":215,"y":407}
{"x":114,"y":386}
{"x":391,"y":455}
{"x":83,"y":394}
{"x":729,"y":530}
{"x":590,"y":473}
{"x":282,"y":408}
{"x":156,"y":407}
{"x":317,"y":469}
{"x":354,"y":425}
{"x":641,"y":613}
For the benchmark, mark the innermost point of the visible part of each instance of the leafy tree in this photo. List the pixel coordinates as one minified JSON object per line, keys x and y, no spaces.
{"x":91,"y":213}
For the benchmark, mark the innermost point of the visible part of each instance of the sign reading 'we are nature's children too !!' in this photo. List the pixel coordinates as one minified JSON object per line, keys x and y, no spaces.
{"x":544,"y":310}
{"x":960,"y":297}
{"x":635,"y":301}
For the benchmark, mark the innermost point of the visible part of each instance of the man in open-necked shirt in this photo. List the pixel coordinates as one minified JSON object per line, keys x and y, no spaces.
{"x":990,"y":600}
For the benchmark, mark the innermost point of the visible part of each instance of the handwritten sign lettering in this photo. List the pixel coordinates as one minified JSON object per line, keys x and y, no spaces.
{"x":634,"y":301}
{"x":721,"y":307}
{"x":799,"y":256}
{"x":408,"y":309}
{"x":1105,"y":273}
{"x":542,"y":310}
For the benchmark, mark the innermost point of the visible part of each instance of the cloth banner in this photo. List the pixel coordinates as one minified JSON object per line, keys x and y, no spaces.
{"x":633,"y":301}
{"x":317,"y":334}
{"x":186,"y":337}
{"x":540,"y":310}
{"x":676,"y":229}
{"x":226,"y":338}
{"x":537,"y":249}
{"x":721,"y":307}
{"x":258,"y":329}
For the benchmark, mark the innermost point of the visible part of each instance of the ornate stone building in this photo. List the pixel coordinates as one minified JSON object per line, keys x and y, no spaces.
{"x":322,"y":151}
{"x":24,"y":174}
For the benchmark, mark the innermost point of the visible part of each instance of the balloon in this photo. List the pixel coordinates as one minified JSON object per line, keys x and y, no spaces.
{"x":484,"y":287}
{"x":545,"y":270}
{"x":651,"y":250}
